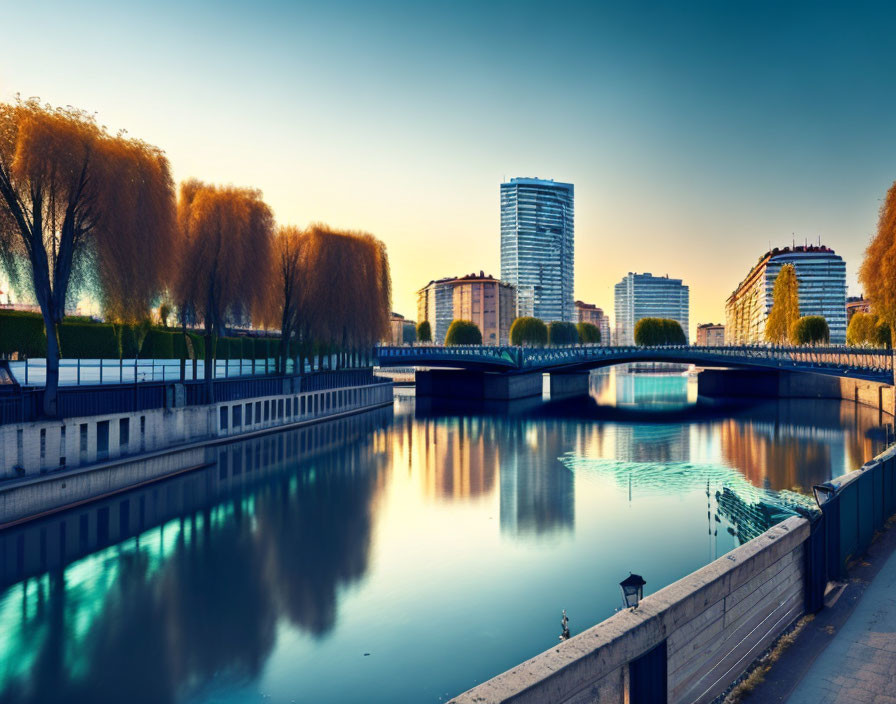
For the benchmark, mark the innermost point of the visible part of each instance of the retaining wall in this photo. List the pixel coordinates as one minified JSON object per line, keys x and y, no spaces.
{"x":755,"y":383}
{"x":712,"y":625}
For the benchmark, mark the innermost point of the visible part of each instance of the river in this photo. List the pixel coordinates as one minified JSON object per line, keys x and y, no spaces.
{"x":403,"y":554}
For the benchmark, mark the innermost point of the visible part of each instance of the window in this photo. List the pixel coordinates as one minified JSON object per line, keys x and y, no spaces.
{"x":223,"y":413}
{"x":303,"y":404}
{"x":237,"y":420}
{"x":124,"y":434}
{"x":102,"y":439}
{"x":258,"y":411}
{"x":83,"y":430}
{"x":248,"y":414}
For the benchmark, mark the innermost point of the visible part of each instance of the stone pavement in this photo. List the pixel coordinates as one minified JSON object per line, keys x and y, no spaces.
{"x":847,"y":654}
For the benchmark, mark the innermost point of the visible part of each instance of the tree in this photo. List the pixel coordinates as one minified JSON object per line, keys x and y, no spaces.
{"x":528,"y":331}
{"x":589,"y":333}
{"x":560,"y":333}
{"x":225,"y":256}
{"x":862,"y":329}
{"x":785,"y":306}
{"x":463,"y":332}
{"x":878,"y":270}
{"x":424,"y":332}
{"x":288,"y":271}
{"x":78,"y":204}
{"x":810,"y":330}
{"x":164,"y":314}
{"x":654,"y":332}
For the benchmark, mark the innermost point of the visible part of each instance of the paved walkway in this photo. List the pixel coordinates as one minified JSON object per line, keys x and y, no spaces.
{"x":847,"y":654}
{"x":859,"y":664}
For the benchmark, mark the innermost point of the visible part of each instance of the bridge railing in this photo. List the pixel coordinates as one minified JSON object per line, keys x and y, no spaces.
{"x":830,"y":357}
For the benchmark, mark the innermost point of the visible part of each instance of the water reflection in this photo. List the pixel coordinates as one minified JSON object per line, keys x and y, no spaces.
{"x":342,"y":561}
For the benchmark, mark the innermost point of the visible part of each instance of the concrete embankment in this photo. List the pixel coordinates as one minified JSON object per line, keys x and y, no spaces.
{"x":782,"y":384}
{"x":52,"y":465}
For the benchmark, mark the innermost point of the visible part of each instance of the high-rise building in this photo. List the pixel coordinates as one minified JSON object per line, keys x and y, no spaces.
{"x":401,"y":331}
{"x":648,"y":296}
{"x":485,"y":300}
{"x":821,"y":275}
{"x":537,"y":246}
{"x":710,"y":335}
{"x":590,"y":313}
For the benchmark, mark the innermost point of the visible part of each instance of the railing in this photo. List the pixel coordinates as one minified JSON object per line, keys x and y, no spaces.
{"x":838,"y":359}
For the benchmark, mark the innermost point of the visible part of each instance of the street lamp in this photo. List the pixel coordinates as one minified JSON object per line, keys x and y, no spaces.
{"x":823,"y":493}
{"x":632,"y":590}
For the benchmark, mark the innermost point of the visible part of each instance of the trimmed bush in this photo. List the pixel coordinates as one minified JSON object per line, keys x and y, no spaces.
{"x":179,"y":346}
{"x":653,"y":332}
{"x":262,"y":348}
{"x":424,"y":332}
{"x":528,"y":331}
{"x":589,"y":333}
{"x":810,"y":330}
{"x":198,"y":344}
{"x":560,"y":333}
{"x":88,"y":341}
{"x":159,"y":344}
{"x":463,"y":332}
{"x":22,"y":333}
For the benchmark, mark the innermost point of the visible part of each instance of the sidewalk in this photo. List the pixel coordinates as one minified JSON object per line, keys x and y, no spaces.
{"x":847,"y":654}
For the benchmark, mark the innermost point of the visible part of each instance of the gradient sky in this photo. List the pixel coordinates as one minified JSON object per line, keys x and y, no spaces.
{"x":695,"y":133}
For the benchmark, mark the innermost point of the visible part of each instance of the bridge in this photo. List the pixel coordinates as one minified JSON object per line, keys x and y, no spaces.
{"x":513,"y":372}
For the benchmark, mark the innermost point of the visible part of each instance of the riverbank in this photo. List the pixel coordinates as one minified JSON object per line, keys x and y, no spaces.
{"x":55,"y":464}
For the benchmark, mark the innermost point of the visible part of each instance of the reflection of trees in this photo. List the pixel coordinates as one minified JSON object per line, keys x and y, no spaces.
{"x":537,"y":490}
{"x":197,"y":600}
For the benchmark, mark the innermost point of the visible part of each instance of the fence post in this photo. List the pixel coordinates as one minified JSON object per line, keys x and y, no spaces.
{"x":101,"y":370}
{"x":79,"y":372}
{"x":120,"y":370}
{"x":26,"y":371}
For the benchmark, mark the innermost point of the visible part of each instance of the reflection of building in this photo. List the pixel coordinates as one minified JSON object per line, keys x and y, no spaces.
{"x":856,"y":304}
{"x":456,"y":457}
{"x":537,"y":490}
{"x":489,"y":303}
{"x":821,"y":274}
{"x":401,"y":330}
{"x":647,"y":296}
{"x":711,"y":334}
{"x":537,"y":253}
{"x":485,"y":300}
{"x":590,"y":313}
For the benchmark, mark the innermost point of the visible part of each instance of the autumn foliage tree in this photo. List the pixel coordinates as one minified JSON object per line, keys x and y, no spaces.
{"x":225,"y":254}
{"x":75,"y":202}
{"x":288,"y":275}
{"x":878,"y":270}
{"x":785,"y":306}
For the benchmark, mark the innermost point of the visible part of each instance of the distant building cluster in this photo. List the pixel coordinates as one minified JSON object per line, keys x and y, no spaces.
{"x":485,"y":300}
{"x":821,"y":274}
{"x":711,"y":334}
{"x":590,"y":313}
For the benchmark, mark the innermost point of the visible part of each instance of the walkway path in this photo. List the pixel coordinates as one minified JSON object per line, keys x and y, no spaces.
{"x":847,"y":654}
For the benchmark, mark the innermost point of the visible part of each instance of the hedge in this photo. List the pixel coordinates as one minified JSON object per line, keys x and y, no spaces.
{"x":589,"y":333}
{"x":463,"y":332}
{"x":810,"y":330}
{"x":88,"y":341}
{"x":652,"y":332}
{"x":560,"y":333}
{"x":158,"y":344}
{"x":22,"y":333}
{"x":528,"y":331}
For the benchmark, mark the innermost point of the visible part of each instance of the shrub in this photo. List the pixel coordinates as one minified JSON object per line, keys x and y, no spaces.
{"x":158,"y":344}
{"x":424,"y":332}
{"x":867,"y":329}
{"x":653,"y":332}
{"x":463,"y":332}
{"x":262,"y":348}
{"x":528,"y":331}
{"x":810,"y":330}
{"x":22,"y":333}
{"x":87,"y":340}
{"x":197,"y":342}
{"x":589,"y":333}
{"x":179,"y":346}
{"x":560,"y":333}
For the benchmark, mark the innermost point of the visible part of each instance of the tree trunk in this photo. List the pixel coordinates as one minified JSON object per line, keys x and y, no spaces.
{"x":209,"y":366}
{"x":51,"y":388}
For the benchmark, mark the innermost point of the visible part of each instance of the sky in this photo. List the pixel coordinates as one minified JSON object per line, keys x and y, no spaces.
{"x":696,"y":133}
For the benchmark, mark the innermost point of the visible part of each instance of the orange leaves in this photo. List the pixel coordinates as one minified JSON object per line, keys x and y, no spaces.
{"x":878,"y":271}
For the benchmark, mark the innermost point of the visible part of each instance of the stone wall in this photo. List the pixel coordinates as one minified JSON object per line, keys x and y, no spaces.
{"x":714,"y":623}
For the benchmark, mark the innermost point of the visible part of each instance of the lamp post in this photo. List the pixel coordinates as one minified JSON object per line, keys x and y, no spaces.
{"x":632,"y":590}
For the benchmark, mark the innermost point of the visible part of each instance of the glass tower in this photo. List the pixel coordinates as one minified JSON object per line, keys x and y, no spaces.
{"x":537,"y":253}
{"x":648,"y":296}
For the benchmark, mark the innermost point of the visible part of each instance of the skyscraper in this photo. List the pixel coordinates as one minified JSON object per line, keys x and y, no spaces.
{"x":821,"y":274}
{"x":648,"y":296}
{"x":537,"y":246}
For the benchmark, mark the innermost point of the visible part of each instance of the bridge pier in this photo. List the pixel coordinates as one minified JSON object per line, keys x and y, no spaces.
{"x":459,"y":383}
{"x":567,"y":384}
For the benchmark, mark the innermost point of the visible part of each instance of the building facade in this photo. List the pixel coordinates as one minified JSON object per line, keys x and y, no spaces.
{"x":856,"y":304}
{"x":485,"y":300}
{"x":821,"y":274}
{"x":590,"y":313}
{"x":537,"y":246}
{"x":647,"y":296}
{"x":401,"y":330}
{"x":711,"y":335}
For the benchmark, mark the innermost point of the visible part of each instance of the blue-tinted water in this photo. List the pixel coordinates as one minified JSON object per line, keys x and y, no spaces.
{"x":401,"y":555}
